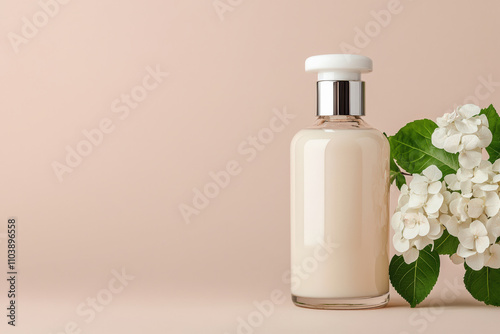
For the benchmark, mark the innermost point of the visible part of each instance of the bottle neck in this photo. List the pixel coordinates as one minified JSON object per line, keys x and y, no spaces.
{"x":340,"y":98}
{"x":339,"y":122}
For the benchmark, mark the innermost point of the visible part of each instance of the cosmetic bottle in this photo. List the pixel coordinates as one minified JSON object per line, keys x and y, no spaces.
{"x":339,"y":195}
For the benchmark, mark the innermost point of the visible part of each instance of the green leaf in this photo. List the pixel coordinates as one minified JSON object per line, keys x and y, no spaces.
{"x":414,"y":152}
{"x":415,"y":281}
{"x":396,"y":175}
{"x":446,"y":244}
{"x":494,"y":124}
{"x":484,"y":284}
{"x":395,"y":172}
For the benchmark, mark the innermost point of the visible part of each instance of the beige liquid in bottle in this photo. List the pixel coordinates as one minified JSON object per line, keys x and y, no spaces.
{"x":340,"y":203}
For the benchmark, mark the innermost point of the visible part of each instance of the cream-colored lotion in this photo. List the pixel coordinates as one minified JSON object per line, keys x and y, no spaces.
{"x":339,"y":197}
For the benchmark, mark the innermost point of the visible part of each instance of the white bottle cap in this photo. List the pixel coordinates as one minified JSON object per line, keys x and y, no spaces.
{"x":339,"y":67}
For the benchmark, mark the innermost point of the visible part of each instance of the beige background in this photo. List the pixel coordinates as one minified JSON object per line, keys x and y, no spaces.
{"x":119,"y":208}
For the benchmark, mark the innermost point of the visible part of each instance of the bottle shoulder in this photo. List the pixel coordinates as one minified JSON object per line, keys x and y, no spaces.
{"x":362,"y":134}
{"x":326,"y":132}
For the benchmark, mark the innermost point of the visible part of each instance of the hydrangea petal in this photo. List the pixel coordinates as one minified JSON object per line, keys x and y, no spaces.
{"x":482,"y":243}
{"x":480,"y":176}
{"x":416,"y":201}
{"x":411,"y":255}
{"x":483,"y":119}
{"x":464,"y":174}
{"x":403,"y":200}
{"x":421,"y":243}
{"x":478,"y":192}
{"x":475,"y":261}
{"x":466,"y":239}
{"x":466,"y":126}
{"x":434,"y":203}
{"x":496,"y":166}
{"x":470,"y":142}
{"x":464,"y":251}
{"x":456,"y":259}
{"x":452,"y":226}
{"x":494,"y":260}
{"x":424,"y":226}
{"x":444,"y":219}
{"x":400,"y":244}
{"x":419,"y":188}
{"x":452,"y":143}
{"x":488,"y":187}
{"x":411,"y":232}
{"x":436,"y":229}
{"x":492,"y":202}
{"x":475,"y":207}
{"x":470,"y":159}
{"x":396,"y":222}
{"x":446,"y":201}
{"x":446,"y":119}
{"x":493,"y":227}
{"x":438,"y":137}
{"x":468,"y":110}
{"x":466,"y":188}
{"x":457,"y":207}
{"x":478,"y":229}
{"x":432,"y":173}
{"x":484,"y":136}
{"x":452,"y":181}
{"x":434,"y":187}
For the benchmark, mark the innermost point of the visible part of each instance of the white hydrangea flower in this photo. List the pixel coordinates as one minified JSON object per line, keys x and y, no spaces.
{"x":463,"y":208}
{"x":474,"y":241}
{"x":493,"y":254}
{"x":490,"y":258}
{"x":474,"y":212}
{"x":425,"y":191}
{"x":493,"y":227}
{"x":453,"y":225}
{"x":415,"y":221}
{"x":478,"y":196}
{"x":463,"y":131}
{"x":413,"y":232}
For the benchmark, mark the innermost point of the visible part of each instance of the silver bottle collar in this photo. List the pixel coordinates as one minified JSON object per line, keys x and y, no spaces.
{"x":340,"y":98}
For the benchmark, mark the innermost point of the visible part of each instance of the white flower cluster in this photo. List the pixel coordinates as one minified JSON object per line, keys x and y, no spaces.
{"x":416,"y":221}
{"x":474,"y":214}
{"x":463,"y":131}
{"x":467,"y":203}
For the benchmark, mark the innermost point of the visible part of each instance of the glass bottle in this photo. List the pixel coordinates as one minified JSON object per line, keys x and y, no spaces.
{"x":340,"y":196}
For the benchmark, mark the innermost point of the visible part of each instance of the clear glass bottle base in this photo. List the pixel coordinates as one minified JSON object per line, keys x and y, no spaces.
{"x":341,"y":303}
